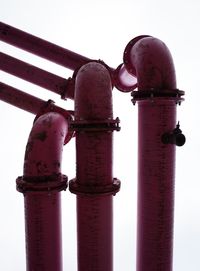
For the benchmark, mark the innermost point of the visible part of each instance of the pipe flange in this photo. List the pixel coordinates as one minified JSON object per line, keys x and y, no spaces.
{"x":48,"y":183}
{"x":150,"y":94}
{"x":127,"y":54}
{"x":94,"y":190}
{"x":95,"y":125}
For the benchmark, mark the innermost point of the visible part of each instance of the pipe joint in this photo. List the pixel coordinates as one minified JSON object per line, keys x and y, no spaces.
{"x":172,"y":94}
{"x":108,"y":125}
{"x":48,"y":183}
{"x":94,"y":190}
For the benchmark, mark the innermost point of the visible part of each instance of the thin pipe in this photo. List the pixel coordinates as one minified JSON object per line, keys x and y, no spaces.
{"x":20,"y":99}
{"x":152,"y":63}
{"x":30,"y":103}
{"x":41,"y":47}
{"x":35,"y":75}
{"x":41,"y":185}
{"x":64,"y":57}
{"x":93,"y":104}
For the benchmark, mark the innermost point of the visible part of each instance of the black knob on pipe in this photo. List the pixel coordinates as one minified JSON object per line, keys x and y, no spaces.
{"x":176,"y":137}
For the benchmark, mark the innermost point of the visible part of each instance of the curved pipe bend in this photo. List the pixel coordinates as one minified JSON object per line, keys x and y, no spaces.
{"x":150,"y":60}
{"x":43,"y":154}
{"x":147,"y":64}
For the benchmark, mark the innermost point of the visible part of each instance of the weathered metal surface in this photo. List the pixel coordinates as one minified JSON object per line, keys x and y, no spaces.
{"x":150,"y":60}
{"x":41,"y":184}
{"x":94,"y":147}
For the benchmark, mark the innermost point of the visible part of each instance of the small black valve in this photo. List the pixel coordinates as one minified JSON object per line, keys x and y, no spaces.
{"x":176,"y":137}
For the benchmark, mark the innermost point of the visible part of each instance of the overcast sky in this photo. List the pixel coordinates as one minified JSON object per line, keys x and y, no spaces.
{"x":100,"y":30}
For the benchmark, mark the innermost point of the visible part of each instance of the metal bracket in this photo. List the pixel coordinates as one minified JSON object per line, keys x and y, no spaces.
{"x":95,"y":125}
{"x":150,"y":94}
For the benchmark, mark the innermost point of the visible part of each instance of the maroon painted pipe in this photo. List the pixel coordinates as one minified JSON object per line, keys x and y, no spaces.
{"x":20,"y":99}
{"x":40,"y":47}
{"x":31,"y":103}
{"x":151,"y":61}
{"x":94,"y":179}
{"x":41,"y":185}
{"x":36,"y":75}
{"x":121,"y":79}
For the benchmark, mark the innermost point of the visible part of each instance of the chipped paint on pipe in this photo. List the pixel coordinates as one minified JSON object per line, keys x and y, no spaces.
{"x":42,"y":168}
{"x":93,"y":103}
{"x":153,"y":65}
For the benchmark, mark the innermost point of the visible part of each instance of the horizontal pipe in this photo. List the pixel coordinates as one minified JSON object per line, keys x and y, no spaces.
{"x":41,"y":47}
{"x":20,"y":99}
{"x":35,"y":75}
{"x":59,"y":55}
{"x":27,"y":102}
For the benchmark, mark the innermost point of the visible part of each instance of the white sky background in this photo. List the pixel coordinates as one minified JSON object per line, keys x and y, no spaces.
{"x":101,"y":29}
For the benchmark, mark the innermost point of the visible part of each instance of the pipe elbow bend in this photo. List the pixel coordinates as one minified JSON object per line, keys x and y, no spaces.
{"x":150,"y":60}
{"x":43,"y":153}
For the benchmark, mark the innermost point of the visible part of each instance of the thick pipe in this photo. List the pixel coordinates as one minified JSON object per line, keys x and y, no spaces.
{"x":36,"y":75}
{"x":93,"y":105}
{"x":41,"y":185}
{"x":40,"y":47}
{"x":152,"y":63}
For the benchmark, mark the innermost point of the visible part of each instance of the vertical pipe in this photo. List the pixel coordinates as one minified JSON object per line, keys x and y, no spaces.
{"x":156,"y":162}
{"x":94,"y":181}
{"x":150,"y":60}
{"x":41,"y":185}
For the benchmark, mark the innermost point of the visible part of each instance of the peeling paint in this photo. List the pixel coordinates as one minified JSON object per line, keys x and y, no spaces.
{"x":42,"y":168}
{"x":41,"y":136}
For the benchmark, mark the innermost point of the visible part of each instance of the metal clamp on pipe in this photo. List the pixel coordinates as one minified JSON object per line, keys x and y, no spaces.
{"x":108,"y":125}
{"x":94,"y":190}
{"x":48,"y":183}
{"x":152,"y":93}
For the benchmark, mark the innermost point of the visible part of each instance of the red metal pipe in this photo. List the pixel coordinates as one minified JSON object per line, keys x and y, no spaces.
{"x":41,"y":185}
{"x":40,"y":47}
{"x":123,"y":80}
{"x":36,"y":76}
{"x":94,"y":184}
{"x":20,"y":99}
{"x":157,"y":96}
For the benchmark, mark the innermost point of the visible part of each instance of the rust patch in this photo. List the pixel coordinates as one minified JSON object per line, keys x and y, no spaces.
{"x":42,"y":136}
{"x":48,"y":121}
{"x":42,"y":168}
